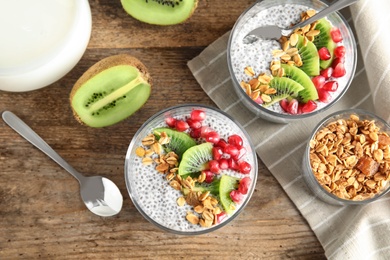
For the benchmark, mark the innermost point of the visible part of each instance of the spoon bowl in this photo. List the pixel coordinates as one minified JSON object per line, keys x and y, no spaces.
{"x":99,"y":194}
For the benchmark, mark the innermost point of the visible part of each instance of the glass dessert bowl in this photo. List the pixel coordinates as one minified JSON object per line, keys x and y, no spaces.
{"x":347,"y":158}
{"x":190,"y":169}
{"x":320,"y":57}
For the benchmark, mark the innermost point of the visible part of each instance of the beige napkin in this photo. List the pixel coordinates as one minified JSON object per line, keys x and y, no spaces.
{"x":354,"y":232}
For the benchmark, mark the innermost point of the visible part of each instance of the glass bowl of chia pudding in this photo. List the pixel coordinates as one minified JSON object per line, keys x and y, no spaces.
{"x":190,"y":169}
{"x":320,"y":57}
{"x":347,"y":158}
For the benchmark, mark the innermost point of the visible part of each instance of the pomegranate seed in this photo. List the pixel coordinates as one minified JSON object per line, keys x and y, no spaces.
{"x":244,"y":167}
{"x":293,"y":107}
{"x":336,"y":34}
{"x":331,"y":86}
{"x":235,"y":140}
{"x":284,"y":104}
{"x":223,"y":164}
{"x":214,"y":166}
{"x":324,"y":53}
{"x":232,"y":164}
{"x":204,"y":130}
{"x":194,"y":124}
{"x":241,"y":153}
{"x":170,"y":121}
{"x":339,"y":70}
{"x":181,"y":125}
{"x":221,"y":143}
{"x":209,"y":176}
{"x":217,"y":152}
{"x":339,"y":51}
{"x":231,"y":150}
{"x":212,"y":137}
{"x":244,"y":184}
{"x":221,"y":216}
{"x":324,"y":95}
{"x":236,"y":196}
{"x":336,"y":62}
{"x":195,"y":133}
{"x":318,"y":81}
{"x":309,"y":106}
{"x":327,"y":73}
{"x":259,"y":100}
{"x":198,"y":115}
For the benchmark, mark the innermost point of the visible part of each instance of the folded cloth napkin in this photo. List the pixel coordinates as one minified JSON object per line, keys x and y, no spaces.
{"x":349,"y":232}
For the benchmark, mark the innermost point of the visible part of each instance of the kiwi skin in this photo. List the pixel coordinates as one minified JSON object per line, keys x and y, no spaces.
{"x":106,"y":63}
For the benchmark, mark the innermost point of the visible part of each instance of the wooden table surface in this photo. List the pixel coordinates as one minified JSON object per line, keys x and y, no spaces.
{"x":41,"y":212}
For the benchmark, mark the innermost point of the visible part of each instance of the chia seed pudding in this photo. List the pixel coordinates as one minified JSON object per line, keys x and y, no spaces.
{"x":149,"y":189}
{"x":259,"y":54}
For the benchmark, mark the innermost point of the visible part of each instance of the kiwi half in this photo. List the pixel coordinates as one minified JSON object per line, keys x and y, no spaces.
{"x":195,"y":159}
{"x":285,"y":87}
{"x":160,"y":12}
{"x":324,"y":39}
{"x":309,"y":92}
{"x":110,"y":91}
{"x":179,"y":142}
{"x":227,"y":184}
{"x":309,"y":56}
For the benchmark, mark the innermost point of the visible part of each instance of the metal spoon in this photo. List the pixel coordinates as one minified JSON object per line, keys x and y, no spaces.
{"x":275,"y":32}
{"x":100,"y":195}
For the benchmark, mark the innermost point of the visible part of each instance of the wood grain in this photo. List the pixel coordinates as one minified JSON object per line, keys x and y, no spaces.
{"x":41,"y":213}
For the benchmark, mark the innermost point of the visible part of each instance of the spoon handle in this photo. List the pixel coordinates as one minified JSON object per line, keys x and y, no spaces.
{"x":340,"y":4}
{"x":25,"y":131}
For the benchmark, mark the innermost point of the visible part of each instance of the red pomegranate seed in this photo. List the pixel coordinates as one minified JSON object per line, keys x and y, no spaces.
{"x":324,"y":53}
{"x":223,"y":164}
{"x":309,"y":106}
{"x":318,"y":81}
{"x":336,"y":62}
{"x":212,"y":137}
{"x":181,"y":125}
{"x":221,"y":216}
{"x":259,"y":100}
{"x":209,"y":176}
{"x":232,"y":164}
{"x":284,"y":104}
{"x":327,"y":73}
{"x":198,"y":115}
{"x":170,"y":121}
{"x":194,"y":124}
{"x":339,"y":51}
{"x":331,"y":86}
{"x":221,"y":143}
{"x":236,"y":196}
{"x":214,"y":166}
{"x":293,"y":107}
{"x":336,"y":34}
{"x":217,"y":152}
{"x":235,"y":140}
{"x":195,"y":133}
{"x":244,"y":184}
{"x":339,"y":70}
{"x":324,"y":95}
{"x":241,"y":153}
{"x":244,"y":167}
{"x":231,"y":150}
{"x":204,"y":130}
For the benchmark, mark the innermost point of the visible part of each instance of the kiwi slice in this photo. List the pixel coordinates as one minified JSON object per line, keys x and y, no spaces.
{"x":160,"y":12}
{"x":195,"y":159}
{"x":227,"y":184}
{"x":285,"y":87}
{"x":324,"y":39}
{"x":309,"y":92}
{"x":110,"y":91}
{"x":179,"y":142}
{"x":309,"y":56}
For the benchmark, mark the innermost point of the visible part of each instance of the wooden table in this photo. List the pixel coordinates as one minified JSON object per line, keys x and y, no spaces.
{"x":41,"y":213}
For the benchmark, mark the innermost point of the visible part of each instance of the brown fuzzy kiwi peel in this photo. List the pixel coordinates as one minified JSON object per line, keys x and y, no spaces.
{"x":113,"y":63}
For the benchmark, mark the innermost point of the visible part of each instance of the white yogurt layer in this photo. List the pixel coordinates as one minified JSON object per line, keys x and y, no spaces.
{"x":258,"y":55}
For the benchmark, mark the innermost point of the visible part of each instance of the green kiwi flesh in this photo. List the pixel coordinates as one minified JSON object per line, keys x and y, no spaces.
{"x":179,"y":141}
{"x":110,"y":91}
{"x":160,"y":12}
{"x":324,"y":39}
{"x":285,"y":87}
{"x":227,"y":184}
{"x":309,"y":92}
{"x":309,"y":56}
{"x":195,"y":159}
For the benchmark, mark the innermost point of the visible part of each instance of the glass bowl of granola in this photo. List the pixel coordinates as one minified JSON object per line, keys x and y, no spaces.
{"x":347,"y":158}
{"x":299,"y":75}
{"x":190,"y":169}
